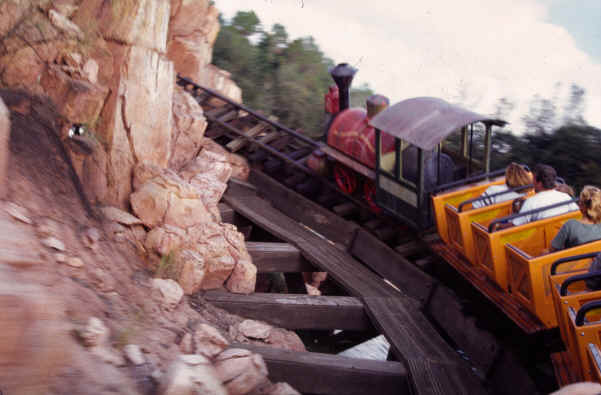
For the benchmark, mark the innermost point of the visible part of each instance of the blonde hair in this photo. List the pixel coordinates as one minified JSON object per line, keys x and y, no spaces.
{"x":590,"y":201}
{"x":517,"y":176}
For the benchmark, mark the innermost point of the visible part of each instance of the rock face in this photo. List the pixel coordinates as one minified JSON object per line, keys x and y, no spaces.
{"x":184,"y":240}
{"x":33,"y":341}
{"x":111,"y":66}
{"x":240,"y":370}
{"x":191,"y":374}
{"x":4,"y":151}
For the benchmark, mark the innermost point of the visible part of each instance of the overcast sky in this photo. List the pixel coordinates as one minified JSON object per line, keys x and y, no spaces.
{"x":475,"y":51}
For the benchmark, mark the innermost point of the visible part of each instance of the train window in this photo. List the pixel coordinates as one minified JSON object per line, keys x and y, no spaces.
{"x":468,"y":148}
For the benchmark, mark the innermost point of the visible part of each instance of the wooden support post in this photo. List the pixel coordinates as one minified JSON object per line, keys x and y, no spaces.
{"x":228,"y":214}
{"x":410,"y":248}
{"x":325,"y":374}
{"x":295,"y":311}
{"x":277,"y":257}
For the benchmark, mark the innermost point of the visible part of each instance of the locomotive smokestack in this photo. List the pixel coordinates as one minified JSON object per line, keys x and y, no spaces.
{"x":343,"y":76}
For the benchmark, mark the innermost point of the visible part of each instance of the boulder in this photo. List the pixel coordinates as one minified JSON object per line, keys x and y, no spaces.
{"x":134,"y":354}
{"x":191,"y":374}
{"x":220,"y":80}
{"x":284,"y":339}
{"x":150,"y":203}
{"x":205,"y":340}
{"x":218,"y":269}
{"x":79,"y":101}
{"x":4,"y":149}
{"x":240,"y":370}
{"x":95,"y":333}
{"x":119,"y":216}
{"x":240,"y":167}
{"x":167,"y":292}
{"x":193,"y":29}
{"x":254,"y":329}
{"x":188,"y":129}
{"x":209,"y":163}
{"x":210,"y":189}
{"x":243,"y":279}
{"x":191,"y":270}
{"x":164,"y":239}
{"x":274,"y":389}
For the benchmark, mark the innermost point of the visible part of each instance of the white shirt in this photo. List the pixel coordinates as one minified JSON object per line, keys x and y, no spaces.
{"x":491,"y":190}
{"x":542,"y":199}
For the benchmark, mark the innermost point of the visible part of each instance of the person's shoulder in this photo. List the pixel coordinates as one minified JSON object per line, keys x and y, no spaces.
{"x":495,"y":188}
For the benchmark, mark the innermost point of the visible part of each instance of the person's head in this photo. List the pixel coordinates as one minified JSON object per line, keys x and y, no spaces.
{"x":544,"y":177}
{"x":517,"y":176}
{"x":590,"y":203}
{"x":565,"y":188}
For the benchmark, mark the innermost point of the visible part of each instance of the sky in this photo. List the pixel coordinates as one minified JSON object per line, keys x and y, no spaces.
{"x":474,"y":52}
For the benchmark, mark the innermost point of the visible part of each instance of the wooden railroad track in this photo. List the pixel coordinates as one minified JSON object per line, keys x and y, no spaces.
{"x":376,"y":261}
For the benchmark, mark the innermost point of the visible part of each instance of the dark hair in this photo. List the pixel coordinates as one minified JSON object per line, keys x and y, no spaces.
{"x":546,"y":175}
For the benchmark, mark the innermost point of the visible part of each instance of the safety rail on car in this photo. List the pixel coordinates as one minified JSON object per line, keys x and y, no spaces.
{"x":492,"y":195}
{"x":530,"y":212}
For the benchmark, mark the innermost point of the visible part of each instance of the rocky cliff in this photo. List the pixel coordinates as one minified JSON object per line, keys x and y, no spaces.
{"x":109,"y":215}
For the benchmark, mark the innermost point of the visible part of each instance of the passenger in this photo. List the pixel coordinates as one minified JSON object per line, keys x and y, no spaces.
{"x":595,"y":267}
{"x":581,"y":231}
{"x":546,"y":195}
{"x":565,"y":188}
{"x":515,"y":176}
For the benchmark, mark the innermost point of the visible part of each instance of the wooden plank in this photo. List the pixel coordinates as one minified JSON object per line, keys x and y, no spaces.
{"x":217,"y":112}
{"x":410,"y":248}
{"x":294,"y":311}
{"x":227,"y":213}
{"x":390,"y":265}
{"x":269,"y":137}
{"x":523,"y":318}
{"x":434,"y":368}
{"x":345,"y":209}
{"x":373,"y":224}
{"x":277,"y":257}
{"x":229,"y":116}
{"x":351,"y":274}
{"x":445,"y":310}
{"x":566,"y":372}
{"x":325,"y":374}
{"x":304,"y":210}
{"x":241,"y":142}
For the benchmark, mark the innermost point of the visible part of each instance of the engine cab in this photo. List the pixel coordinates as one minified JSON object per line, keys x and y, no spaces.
{"x":437,"y":146}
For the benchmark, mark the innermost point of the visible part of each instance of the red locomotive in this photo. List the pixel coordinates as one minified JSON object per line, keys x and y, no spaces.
{"x":394,"y":156}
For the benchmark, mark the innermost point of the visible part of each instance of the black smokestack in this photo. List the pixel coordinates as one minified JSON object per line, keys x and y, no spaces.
{"x":343,"y":76}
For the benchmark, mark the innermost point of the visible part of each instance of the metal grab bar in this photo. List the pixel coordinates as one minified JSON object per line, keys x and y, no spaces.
{"x":523,"y":187}
{"x":538,"y":210}
{"x":570,"y":259}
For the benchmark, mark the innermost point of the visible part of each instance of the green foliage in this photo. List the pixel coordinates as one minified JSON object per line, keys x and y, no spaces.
{"x":573,"y":150}
{"x":277,"y":76}
{"x":167,"y":267}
